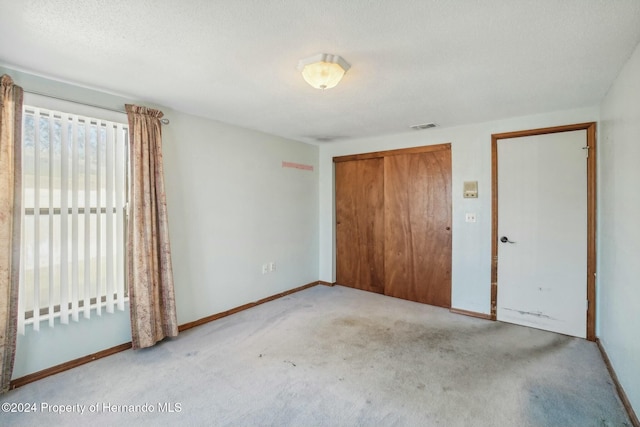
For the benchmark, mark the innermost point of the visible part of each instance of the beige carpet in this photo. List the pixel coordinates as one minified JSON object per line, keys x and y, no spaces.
{"x":337,"y":357}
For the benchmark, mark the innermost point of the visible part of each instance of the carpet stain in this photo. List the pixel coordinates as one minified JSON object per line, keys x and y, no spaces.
{"x":379,"y":333}
{"x":409,"y":349}
{"x":557,"y":405}
{"x":455,"y":341}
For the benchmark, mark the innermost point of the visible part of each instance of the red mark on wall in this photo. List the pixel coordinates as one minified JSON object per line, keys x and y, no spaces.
{"x":297,"y":166}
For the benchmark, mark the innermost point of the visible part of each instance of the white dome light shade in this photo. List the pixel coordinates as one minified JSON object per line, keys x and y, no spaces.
{"x":323,"y":71}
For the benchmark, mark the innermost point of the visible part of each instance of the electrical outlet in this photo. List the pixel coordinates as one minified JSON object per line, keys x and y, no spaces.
{"x":470,"y":217}
{"x":272,"y":266}
{"x":265,"y":268}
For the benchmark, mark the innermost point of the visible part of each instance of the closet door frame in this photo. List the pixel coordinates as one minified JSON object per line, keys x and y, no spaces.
{"x":388,"y":153}
{"x":377,"y":154}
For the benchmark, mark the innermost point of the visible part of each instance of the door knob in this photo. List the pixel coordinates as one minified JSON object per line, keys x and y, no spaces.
{"x":505,"y":239}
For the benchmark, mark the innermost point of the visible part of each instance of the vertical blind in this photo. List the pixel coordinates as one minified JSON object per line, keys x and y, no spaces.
{"x":74,"y":217}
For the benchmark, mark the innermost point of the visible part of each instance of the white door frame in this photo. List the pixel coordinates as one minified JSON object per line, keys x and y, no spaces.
{"x":591,"y":215}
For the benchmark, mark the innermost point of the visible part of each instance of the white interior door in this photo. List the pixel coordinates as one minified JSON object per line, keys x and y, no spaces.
{"x":542,"y":211}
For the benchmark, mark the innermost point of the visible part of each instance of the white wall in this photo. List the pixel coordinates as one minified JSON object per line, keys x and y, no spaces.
{"x":619,"y":243}
{"x":471,"y":161}
{"x":232,"y":207}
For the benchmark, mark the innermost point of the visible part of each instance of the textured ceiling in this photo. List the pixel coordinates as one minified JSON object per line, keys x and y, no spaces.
{"x":413,"y":61}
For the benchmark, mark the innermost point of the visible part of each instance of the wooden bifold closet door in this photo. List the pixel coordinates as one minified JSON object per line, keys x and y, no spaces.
{"x":393,"y":223}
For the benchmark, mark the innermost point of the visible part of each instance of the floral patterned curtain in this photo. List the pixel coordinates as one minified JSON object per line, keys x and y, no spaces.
{"x":10,"y":202}
{"x":150,"y":274}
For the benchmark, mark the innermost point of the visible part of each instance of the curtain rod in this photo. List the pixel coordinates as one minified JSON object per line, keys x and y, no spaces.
{"x":163,"y":121}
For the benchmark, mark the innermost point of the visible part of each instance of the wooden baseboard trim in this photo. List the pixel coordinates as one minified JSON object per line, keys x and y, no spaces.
{"x":322,"y":282}
{"x":470,"y":313}
{"x":242,"y":307}
{"x":619,"y":389}
{"x":19,"y":382}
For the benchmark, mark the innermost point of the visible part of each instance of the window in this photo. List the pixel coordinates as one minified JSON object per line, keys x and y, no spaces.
{"x":74,"y":216}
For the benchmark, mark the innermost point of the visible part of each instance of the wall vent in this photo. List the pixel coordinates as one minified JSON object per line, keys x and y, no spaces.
{"x":325,"y":138}
{"x":423,"y":126}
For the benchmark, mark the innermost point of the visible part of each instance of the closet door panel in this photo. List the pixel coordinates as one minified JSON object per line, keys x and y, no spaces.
{"x":360,"y":224}
{"x":418,"y":227}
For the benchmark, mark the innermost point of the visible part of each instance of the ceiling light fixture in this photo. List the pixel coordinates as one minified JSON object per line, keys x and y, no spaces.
{"x":323,"y":71}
